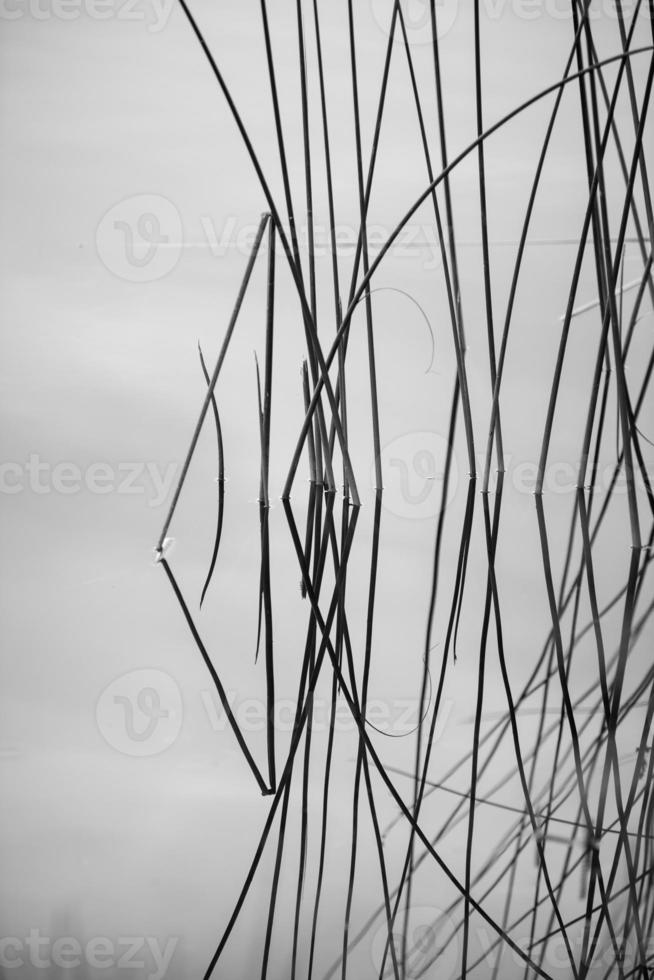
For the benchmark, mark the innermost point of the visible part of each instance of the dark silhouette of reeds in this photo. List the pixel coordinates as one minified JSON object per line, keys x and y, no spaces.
{"x":588,"y":831}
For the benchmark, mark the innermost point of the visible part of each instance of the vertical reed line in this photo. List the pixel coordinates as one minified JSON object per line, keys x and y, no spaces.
{"x":364,"y":243}
{"x":265,"y":510}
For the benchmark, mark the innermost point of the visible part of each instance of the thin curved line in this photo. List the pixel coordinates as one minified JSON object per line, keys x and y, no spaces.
{"x":413,"y":730}
{"x":403,"y":292}
{"x":221,"y":481}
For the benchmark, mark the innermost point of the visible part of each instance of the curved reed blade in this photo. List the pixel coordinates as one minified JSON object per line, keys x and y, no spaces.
{"x":221,"y":482}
